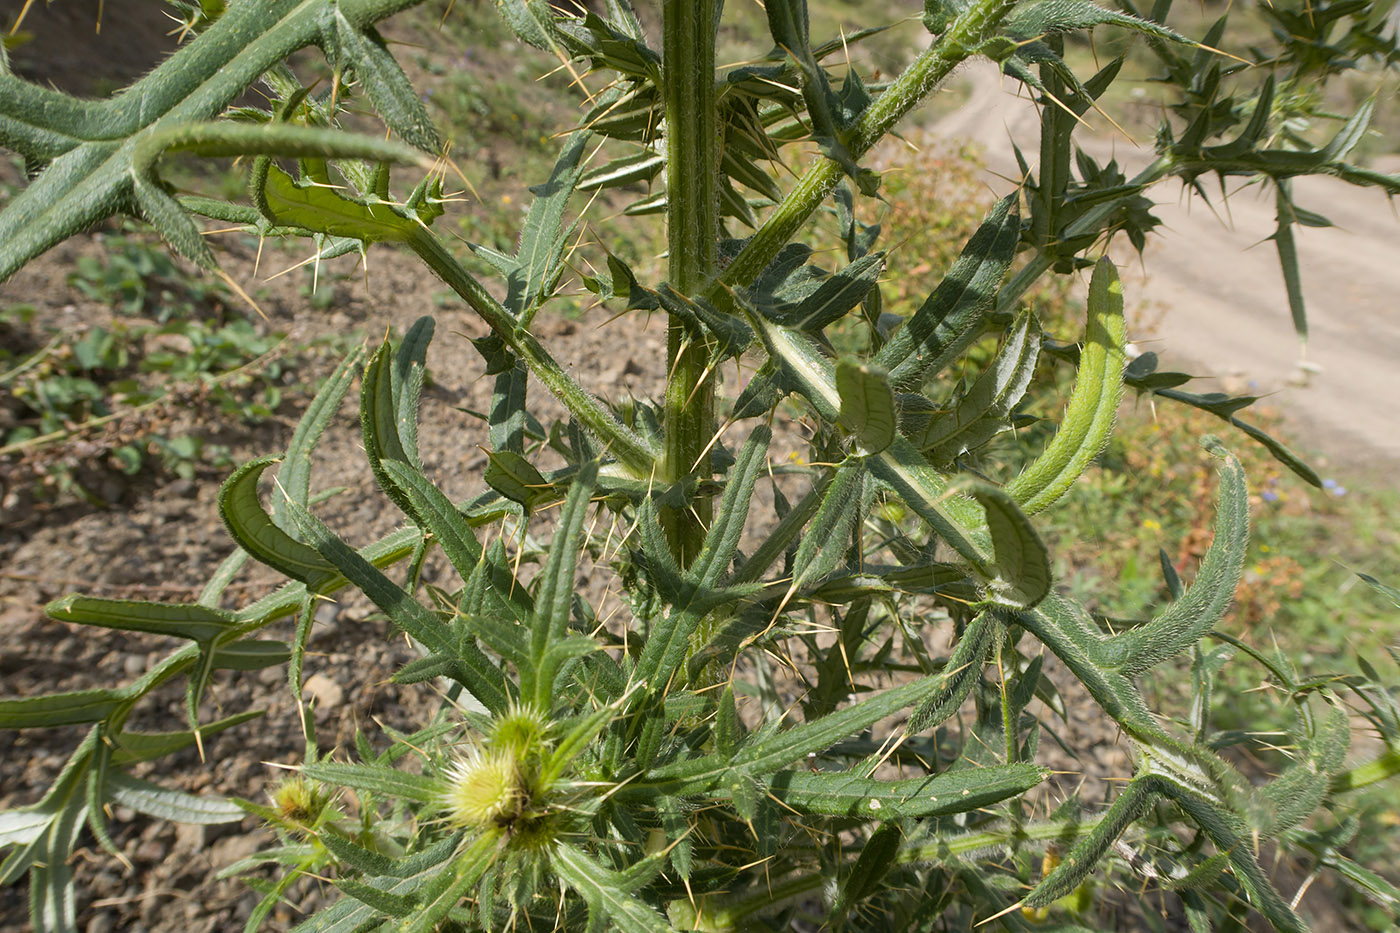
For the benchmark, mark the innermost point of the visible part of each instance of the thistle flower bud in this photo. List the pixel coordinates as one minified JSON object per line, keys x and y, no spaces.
{"x":483,"y":789}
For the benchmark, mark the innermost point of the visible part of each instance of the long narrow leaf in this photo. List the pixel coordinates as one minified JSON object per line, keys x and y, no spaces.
{"x":600,"y":889}
{"x":554,"y":598}
{"x":1203,"y":605}
{"x":835,"y":794}
{"x":951,"y":318}
{"x":254,"y":530}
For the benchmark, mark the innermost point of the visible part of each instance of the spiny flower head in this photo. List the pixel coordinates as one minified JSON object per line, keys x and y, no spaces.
{"x":484,"y":789}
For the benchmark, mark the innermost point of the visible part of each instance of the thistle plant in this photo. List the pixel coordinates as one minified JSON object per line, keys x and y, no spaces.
{"x":829,"y":708}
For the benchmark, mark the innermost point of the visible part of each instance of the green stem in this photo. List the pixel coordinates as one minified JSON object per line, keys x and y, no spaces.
{"x":692,"y":218}
{"x":1009,"y":718}
{"x":629,"y":448}
{"x":975,"y":26}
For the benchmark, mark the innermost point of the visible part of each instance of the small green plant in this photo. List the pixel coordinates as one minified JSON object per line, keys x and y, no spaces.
{"x":827,"y":711}
{"x":137,"y":276}
{"x":114,"y":386}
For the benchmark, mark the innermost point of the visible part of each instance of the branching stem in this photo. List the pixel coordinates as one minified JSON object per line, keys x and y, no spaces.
{"x":621,"y":442}
{"x":967,"y":33}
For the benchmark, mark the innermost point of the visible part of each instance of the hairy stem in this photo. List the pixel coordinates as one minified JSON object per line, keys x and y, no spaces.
{"x":624,"y":444}
{"x":692,"y":215}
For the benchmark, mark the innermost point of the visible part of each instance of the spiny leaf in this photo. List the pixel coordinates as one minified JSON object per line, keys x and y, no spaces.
{"x":828,"y":538}
{"x":531,"y":21}
{"x":729,"y":729}
{"x":165,"y":214}
{"x":951,"y":318}
{"x":145,"y":746}
{"x":446,"y":891}
{"x":1048,"y":17}
{"x":1226,"y":831}
{"x":294,"y":474}
{"x":692,"y":592}
{"x":542,"y":239}
{"x":804,"y":367}
{"x":250,"y":654}
{"x":554,"y":596}
{"x":323,"y":210}
{"x":398,"y":906}
{"x":406,"y":374}
{"x":723,"y":536}
{"x":787,"y":22}
{"x":639,"y":167}
{"x":357,"y":857}
{"x":516,"y":478}
{"x":875,"y":860}
{"x":852,"y":795}
{"x":384,"y":426}
{"x":389,"y":89}
{"x":604,"y":893}
{"x":1203,"y":605}
{"x":1071,"y":872}
{"x":985,"y":409}
{"x":508,"y":416}
{"x":1296,"y":793}
{"x":401,"y":608}
{"x":960,"y":674}
{"x":376,"y":779}
{"x":411,"y":875}
{"x":439,"y":516}
{"x":766,"y":752}
{"x":836,"y":296}
{"x":1389,"y":592}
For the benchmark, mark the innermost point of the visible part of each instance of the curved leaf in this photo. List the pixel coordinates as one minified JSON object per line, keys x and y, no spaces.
{"x":867,"y":405}
{"x":1093,"y":405}
{"x":255,"y":532}
{"x":1203,"y":605}
{"x":1019,"y":558}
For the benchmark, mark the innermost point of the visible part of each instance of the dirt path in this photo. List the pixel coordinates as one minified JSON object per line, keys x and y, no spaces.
{"x":1215,"y":293}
